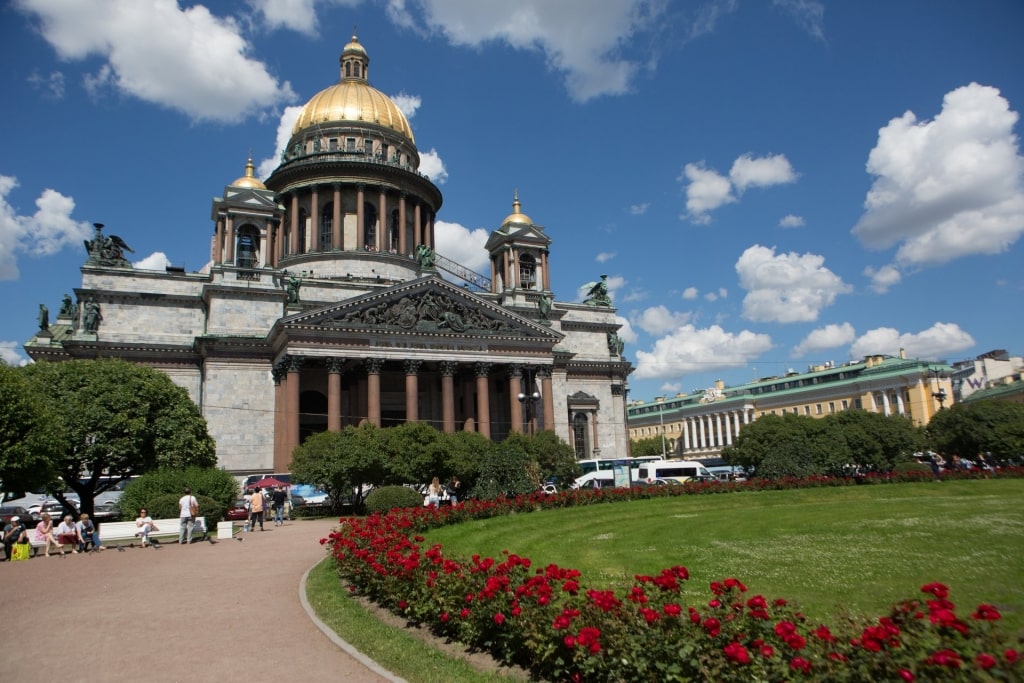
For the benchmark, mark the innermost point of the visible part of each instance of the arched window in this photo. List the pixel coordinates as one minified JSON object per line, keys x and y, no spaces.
{"x":527,"y":272}
{"x":247,"y":248}
{"x":326,"y":226}
{"x":369,"y":226}
{"x":348,"y":69}
{"x":580,"y":436}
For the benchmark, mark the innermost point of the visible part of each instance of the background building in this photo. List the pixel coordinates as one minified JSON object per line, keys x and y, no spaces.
{"x":990,"y":375}
{"x":324,"y":305}
{"x":699,"y":425}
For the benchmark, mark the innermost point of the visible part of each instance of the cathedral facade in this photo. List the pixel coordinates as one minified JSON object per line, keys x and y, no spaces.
{"x":325,"y":304}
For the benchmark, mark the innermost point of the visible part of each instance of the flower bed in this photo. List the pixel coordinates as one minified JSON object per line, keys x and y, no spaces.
{"x":549,"y":620}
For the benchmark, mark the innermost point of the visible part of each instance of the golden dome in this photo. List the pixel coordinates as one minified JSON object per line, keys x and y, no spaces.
{"x":352,"y":98}
{"x":249,"y":179}
{"x":517,"y":216}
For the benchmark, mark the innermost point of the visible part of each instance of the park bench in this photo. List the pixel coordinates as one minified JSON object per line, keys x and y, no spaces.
{"x":113,"y":532}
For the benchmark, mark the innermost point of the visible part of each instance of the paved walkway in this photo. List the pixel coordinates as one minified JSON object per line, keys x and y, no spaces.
{"x":204,"y":612}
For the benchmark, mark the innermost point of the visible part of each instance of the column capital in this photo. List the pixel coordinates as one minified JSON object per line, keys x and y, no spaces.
{"x":334,"y":365}
{"x":448,"y":368}
{"x":293,"y":363}
{"x":412,"y":366}
{"x":278,"y":372}
{"x":373,"y":365}
{"x":544,"y":371}
{"x":515,"y":370}
{"x":482,"y":369}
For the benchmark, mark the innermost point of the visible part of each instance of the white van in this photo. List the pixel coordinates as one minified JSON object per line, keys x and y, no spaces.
{"x":679,"y":470}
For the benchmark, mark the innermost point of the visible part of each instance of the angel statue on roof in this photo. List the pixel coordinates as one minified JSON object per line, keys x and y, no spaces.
{"x":597,"y":293}
{"x":106,"y":250}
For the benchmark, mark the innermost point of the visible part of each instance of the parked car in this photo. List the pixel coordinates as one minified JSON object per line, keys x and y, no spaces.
{"x":237,"y":512}
{"x":55,"y":510}
{"x":105,"y":512}
{"x":8,"y":511}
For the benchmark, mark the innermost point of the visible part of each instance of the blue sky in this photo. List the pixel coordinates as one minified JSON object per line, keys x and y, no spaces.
{"x":767,"y":185}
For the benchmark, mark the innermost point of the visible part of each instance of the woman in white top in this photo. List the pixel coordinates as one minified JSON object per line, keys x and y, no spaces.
{"x":145,"y":524}
{"x":67,"y":534}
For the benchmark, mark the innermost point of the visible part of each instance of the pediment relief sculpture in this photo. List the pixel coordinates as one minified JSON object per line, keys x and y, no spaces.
{"x":427,"y":311}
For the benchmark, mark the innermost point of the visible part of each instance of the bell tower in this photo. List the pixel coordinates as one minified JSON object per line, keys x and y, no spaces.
{"x":519,"y":262}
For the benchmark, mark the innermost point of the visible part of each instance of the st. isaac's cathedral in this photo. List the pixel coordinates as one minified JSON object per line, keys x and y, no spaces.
{"x":325,"y":304}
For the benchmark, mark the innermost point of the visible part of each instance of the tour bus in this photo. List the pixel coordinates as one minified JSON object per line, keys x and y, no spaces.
{"x":679,"y":470}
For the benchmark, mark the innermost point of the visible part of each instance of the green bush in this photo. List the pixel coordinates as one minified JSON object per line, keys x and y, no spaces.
{"x":212,"y":482}
{"x":165,"y":506}
{"x":311,"y":512}
{"x":390,"y":497}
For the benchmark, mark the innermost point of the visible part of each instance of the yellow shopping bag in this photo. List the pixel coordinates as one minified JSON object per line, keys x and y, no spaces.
{"x":20,"y":551}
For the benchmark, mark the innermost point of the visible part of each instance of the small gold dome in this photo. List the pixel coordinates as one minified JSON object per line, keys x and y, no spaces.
{"x":517,"y":216}
{"x":249,"y":179}
{"x":353,"y":98}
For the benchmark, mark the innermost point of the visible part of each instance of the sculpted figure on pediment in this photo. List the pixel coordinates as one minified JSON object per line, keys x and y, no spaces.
{"x":426,"y":311}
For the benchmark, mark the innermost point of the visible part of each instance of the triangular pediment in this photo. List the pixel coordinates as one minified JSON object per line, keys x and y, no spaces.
{"x":249,"y":197}
{"x":520,"y":233}
{"x":428,"y":305}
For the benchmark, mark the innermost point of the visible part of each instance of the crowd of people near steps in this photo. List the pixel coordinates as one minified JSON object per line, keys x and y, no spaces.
{"x":83,"y":534}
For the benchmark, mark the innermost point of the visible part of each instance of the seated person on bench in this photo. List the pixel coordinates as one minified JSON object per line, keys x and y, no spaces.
{"x":145,"y":524}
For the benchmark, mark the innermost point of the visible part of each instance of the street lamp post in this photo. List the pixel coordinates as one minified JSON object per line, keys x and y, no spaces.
{"x":529,"y":401}
{"x":940,"y":393}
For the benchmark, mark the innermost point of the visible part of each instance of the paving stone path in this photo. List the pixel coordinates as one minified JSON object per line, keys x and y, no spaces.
{"x":203,"y":612}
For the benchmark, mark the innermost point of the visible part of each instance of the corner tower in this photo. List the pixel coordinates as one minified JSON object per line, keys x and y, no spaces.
{"x":519,"y":261}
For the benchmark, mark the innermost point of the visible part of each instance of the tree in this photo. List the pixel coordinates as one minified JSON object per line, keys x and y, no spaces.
{"x":506,"y":469}
{"x":651,"y":445}
{"x":341,"y":462}
{"x":118,"y":420}
{"x":979,"y":427}
{"x":29,"y":435}
{"x":789,"y":445}
{"x":878,"y":442}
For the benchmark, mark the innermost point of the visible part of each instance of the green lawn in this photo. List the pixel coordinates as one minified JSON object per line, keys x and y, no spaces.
{"x":856,"y":549}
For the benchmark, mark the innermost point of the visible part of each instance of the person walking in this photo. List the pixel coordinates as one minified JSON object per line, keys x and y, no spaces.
{"x":280,"y":498}
{"x":256,"y":506}
{"x":188,"y":508}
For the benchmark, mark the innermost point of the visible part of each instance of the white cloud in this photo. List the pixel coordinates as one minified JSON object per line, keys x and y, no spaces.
{"x":462,"y":245}
{"x":692,"y":350}
{"x":690,"y":293}
{"x":155,"y":261}
{"x":883,"y":278}
{"x":932,"y":344}
{"x":407,"y":104}
{"x":605,"y":256}
{"x":950,"y":187}
{"x":764,"y":172}
{"x":45,"y":232}
{"x":707,"y":191}
{"x":786,"y":288}
{"x":828,"y":337}
{"x":185,"y":59}
{"x":284,"y":133}
{"x":9,"y":354}
{"x":296,"y":15}
{"x":791,"y":221}
{"x":432,"y":166}
{"x":639,"y":209}
{"x":658,"y":320}
{"x":590,"y":55}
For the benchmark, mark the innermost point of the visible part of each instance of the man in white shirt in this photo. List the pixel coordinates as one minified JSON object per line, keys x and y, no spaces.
{"x":188,"y":507}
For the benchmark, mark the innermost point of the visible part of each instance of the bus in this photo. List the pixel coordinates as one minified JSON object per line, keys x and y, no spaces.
{"x":608,"y":464}
{"x":600,"y":472}
{"x":679,"y":470}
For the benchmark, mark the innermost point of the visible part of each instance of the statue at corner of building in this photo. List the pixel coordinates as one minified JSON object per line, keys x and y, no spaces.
{"x":615,"y":344}
{"x":91,"y":317}
{"x":292,"y":283}
{"x":44,"y":317}
{"x":597,"y":293}
{"x":544,"y":305}
{"x":67,"y":309}
{"x":425,"y":256}
{"x":106,"y":250}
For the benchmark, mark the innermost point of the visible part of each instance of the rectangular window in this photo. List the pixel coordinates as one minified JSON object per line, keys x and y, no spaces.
{"x":367,"y":147}
{"x":845,"y":404}
{"x":831,"y":407}
{"x":332,"y":144}
{"x":807,"y":410}
{"x":817,"y":409}
{"x":350,"y":144}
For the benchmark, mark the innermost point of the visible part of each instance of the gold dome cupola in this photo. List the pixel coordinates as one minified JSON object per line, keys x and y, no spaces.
{"x":249,"y":179}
